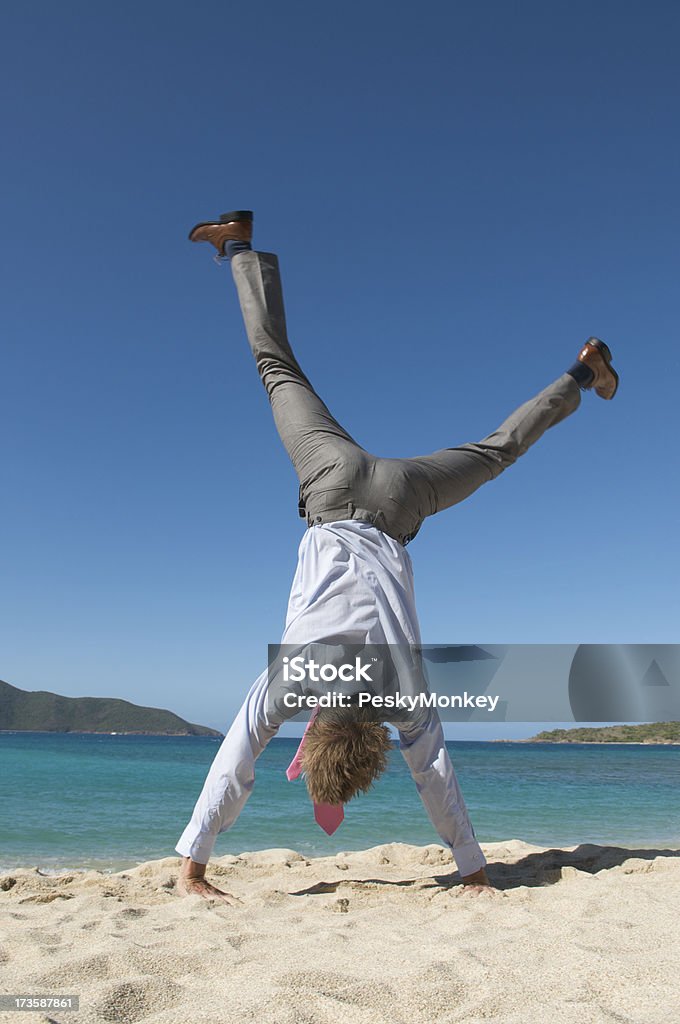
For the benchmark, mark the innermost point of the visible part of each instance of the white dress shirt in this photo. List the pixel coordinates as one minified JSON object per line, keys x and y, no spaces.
{"x":354,"y":581}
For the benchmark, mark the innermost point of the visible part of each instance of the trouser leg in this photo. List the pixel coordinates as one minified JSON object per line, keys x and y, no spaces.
{"x":332,"y":468}
{"x":452,"y":474}
{"x":308,"y":430}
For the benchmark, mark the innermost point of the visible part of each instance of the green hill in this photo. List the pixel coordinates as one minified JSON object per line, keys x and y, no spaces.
{"x":41,"y":711}
{"x":656,"y":732}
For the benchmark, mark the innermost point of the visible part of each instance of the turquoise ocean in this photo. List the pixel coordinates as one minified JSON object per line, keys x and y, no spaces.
{"x":112,"y":801}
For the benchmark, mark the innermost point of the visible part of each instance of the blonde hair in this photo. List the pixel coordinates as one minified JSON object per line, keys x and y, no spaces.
{"x":345,"y":751}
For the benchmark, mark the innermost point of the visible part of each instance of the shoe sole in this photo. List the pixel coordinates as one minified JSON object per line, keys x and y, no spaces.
{"x":606,"y":353}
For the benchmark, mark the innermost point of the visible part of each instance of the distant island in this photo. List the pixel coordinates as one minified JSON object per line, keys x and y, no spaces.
{"x":42,"y":711}
{"x":657,"y":732}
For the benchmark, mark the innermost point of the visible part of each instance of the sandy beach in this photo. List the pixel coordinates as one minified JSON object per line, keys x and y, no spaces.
{"x":580,"y":935}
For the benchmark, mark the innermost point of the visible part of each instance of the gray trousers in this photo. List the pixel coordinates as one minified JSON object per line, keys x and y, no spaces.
{"x":338,"y":478}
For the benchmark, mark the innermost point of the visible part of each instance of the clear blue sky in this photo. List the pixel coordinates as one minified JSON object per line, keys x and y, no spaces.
{"x":460,"y":194}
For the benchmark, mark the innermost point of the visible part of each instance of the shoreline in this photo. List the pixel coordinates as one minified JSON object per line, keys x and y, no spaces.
{"x":106,"y":732}
{"x":596,"y":743}
{"x":100,"y":866}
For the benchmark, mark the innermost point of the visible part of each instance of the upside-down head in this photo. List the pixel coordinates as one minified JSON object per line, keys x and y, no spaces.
{"x":345,"y":751}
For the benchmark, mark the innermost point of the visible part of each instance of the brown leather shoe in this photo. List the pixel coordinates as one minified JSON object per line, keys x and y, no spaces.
{"x":596,"y":355}
{"x":236,"y":226}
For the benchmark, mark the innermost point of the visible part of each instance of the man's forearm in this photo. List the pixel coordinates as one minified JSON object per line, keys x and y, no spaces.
{"x":231,"y":777}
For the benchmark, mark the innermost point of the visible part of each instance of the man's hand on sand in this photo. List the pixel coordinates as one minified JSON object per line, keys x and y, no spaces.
{"x":478,"y":883}
{"x":192,"y":882}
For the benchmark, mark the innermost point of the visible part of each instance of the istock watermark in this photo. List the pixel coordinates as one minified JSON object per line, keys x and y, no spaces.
{"x":477,"y":682}
{"x":296,"y":669}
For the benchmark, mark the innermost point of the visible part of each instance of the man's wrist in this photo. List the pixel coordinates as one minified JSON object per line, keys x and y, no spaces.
{"x":477,"y":878}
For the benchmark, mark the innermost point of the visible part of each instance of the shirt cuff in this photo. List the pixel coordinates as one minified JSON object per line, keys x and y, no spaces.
{"x":469,"y":858}
{"x":198,"y":847}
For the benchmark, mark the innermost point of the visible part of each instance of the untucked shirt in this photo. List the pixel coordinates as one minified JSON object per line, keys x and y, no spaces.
{"x":353,"y":582}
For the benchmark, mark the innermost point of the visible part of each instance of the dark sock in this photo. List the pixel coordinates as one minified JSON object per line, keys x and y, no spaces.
{"x":582,"y":374}
{"x":234,"y":247}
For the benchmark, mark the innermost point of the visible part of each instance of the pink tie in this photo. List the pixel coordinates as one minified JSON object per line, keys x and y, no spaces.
{"x":328,"y":816}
